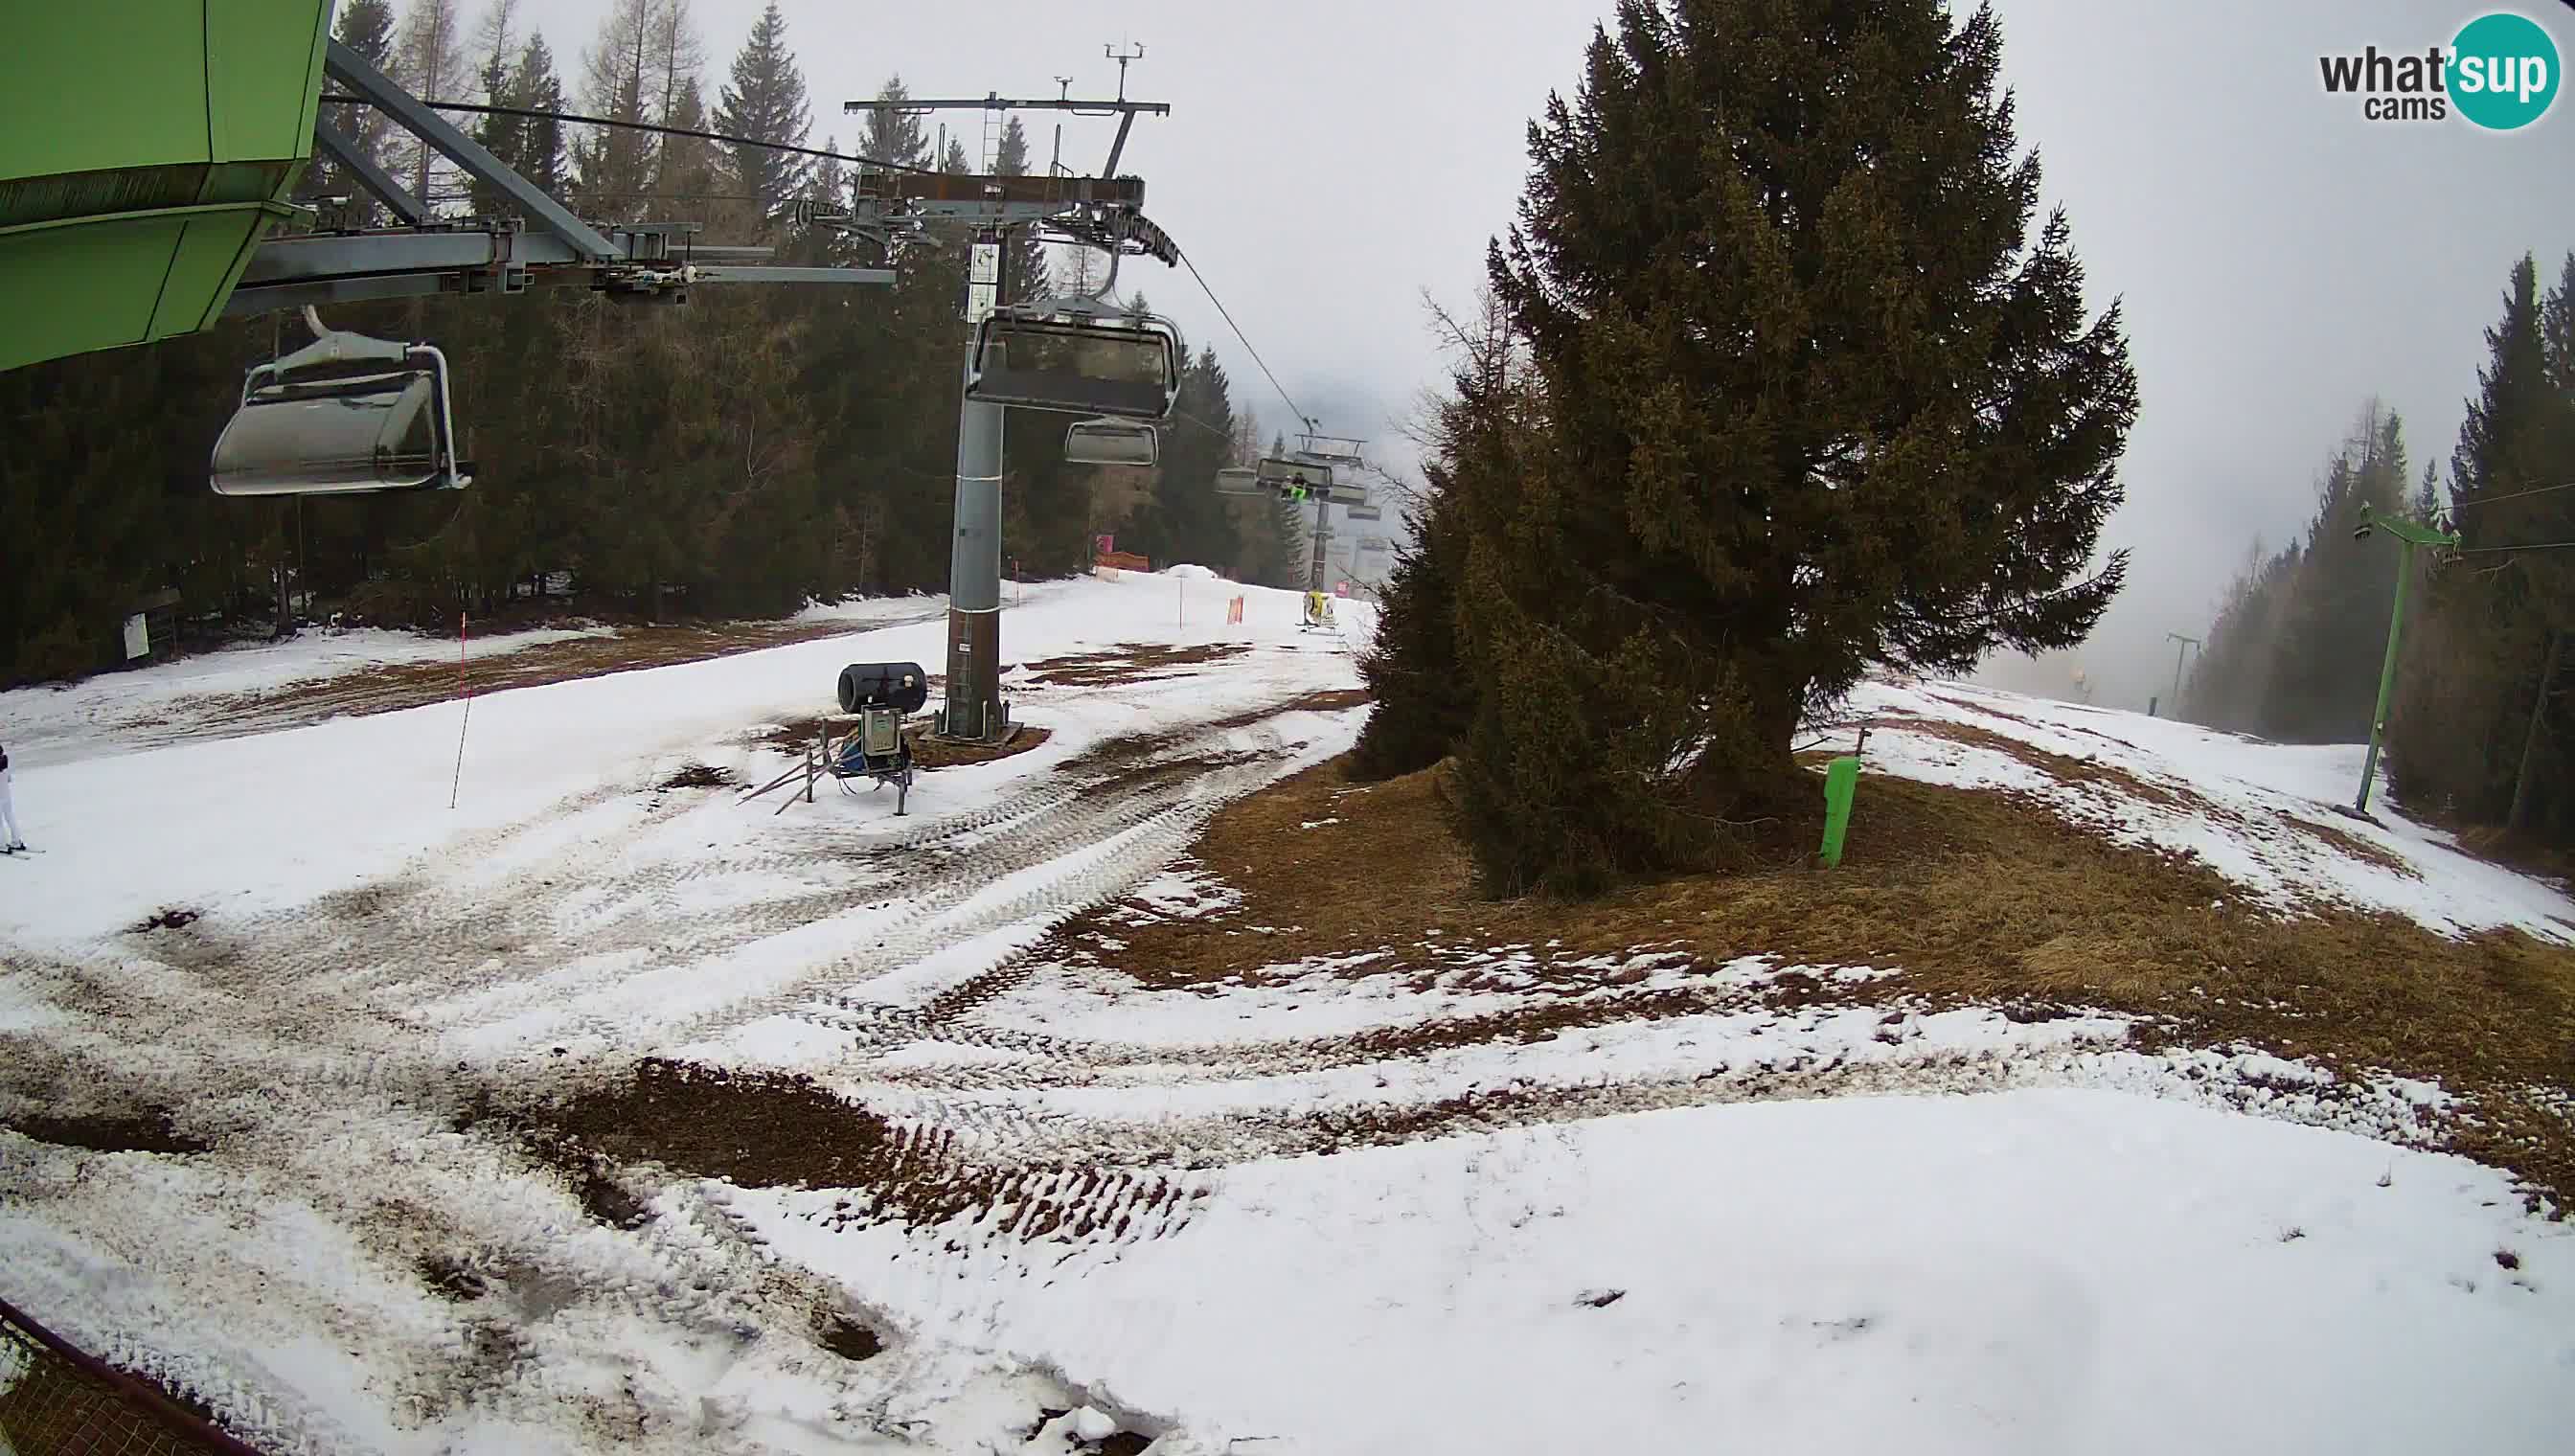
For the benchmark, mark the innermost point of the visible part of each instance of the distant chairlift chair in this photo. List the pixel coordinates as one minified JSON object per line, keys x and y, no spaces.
{"x":1112,"y":441}
{"x":311,"y":426}
{"x":882,"y":695}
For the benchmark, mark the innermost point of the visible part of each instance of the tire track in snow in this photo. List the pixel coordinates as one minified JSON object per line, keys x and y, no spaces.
{"x":332,"y":1014}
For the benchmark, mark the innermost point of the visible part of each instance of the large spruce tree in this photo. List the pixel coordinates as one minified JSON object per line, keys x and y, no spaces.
{"x":367,"y":27}
{"x":765,"y":102}
{"x":1815,"y":394}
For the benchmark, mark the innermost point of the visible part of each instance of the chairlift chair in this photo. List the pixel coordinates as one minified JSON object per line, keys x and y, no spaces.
{"x":1289,"y":472}
{"x":1112,"y":441}
{"x":308,"y":426}
{"x":1070,"y":355}
{"x":1240,"y":481}
{"x":1334,"y":449}
{"x":1350,"y":494}
{"x":1367,"y":512}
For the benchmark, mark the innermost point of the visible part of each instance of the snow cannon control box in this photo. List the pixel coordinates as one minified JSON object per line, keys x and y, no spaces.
{"x":902,"y":687}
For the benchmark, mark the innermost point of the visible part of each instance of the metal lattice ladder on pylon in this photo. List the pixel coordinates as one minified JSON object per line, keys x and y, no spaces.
{"x":995,"y":119}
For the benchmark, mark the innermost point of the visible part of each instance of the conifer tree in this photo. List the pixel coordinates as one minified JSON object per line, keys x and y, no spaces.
{"x":1023,"y":264}
{"x":765,"y":100}
{"x":367,"y":27}
{"x":893,"y":137}
{"x":1813,"y":392}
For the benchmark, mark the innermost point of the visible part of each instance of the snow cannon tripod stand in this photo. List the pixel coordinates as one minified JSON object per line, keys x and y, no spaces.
{"x":882,"y":695}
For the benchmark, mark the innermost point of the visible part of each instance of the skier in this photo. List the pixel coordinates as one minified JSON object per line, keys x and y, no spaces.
{"x":8,"y":810}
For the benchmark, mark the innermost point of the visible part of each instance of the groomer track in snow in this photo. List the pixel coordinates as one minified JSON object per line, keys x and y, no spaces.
{"x":1156,"y":1079}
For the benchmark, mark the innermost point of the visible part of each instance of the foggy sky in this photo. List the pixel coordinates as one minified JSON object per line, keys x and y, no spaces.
{"x":2280,"y":258}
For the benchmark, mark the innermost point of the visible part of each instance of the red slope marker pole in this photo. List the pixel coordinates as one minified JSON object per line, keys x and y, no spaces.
{"x":467,"y":692}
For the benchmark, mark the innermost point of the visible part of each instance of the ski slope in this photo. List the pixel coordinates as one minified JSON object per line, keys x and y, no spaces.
{"x":2269,"y":816}
{"x":1316,"y":1209}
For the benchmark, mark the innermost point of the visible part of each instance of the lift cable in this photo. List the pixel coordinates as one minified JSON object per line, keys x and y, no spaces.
{"x":535,"y":114}
{"x":1246,"y":343}
{"x":2532,"y":545}
{"x":2515,"y":496}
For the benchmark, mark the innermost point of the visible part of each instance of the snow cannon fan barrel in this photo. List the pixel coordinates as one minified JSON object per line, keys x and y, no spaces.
{"x":902,"y":687}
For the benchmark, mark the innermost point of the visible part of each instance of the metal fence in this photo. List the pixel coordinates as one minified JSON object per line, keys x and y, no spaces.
{"x":56,"y":1401}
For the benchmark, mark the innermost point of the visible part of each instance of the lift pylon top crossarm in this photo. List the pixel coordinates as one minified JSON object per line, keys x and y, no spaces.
{"x":1059,"y":193}
{"x":2412,"y":531}
{"x":430,"y":256}
{"x":997,"y":102}
{"x":346,"y":267}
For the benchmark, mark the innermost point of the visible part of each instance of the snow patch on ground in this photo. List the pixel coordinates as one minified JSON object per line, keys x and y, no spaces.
{"x":1186,"y":892}
{"x":2035,"y":1271}
{"x":2266,"y":816}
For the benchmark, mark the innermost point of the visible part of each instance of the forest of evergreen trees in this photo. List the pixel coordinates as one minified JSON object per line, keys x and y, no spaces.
{"x":2481,"y":731}
{"x":739,"y":455}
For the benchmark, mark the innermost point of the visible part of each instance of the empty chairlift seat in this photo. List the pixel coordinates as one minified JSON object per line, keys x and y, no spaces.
{"x":1336,"y":449}
{"x":1367,"y":512}
{"x":1112,"y":441}
{"x":308,"y":426}
{"x":1120,"y":365}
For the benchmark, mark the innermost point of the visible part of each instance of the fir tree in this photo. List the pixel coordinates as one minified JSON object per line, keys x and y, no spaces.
{"x":367,"y":27}
{"x":542,"y":157}
{"x":1412,"y":668}
{"x":1024,"y":262}
{"x":765,"y":100}
{"x":496,"y":79}
{"x":893,"y":138}
{"x":1812,"y":394}
{"x":1185,"y":520}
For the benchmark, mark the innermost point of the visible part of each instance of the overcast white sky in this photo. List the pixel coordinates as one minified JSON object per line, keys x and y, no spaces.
{"x":2281,"y":259}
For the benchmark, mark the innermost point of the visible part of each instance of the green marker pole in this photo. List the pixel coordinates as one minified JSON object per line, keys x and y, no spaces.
{"x":2409,"y":534}
{"x":1841,"y":782}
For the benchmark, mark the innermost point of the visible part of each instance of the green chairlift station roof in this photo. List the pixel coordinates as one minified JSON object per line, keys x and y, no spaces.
{"x":146,"y":148}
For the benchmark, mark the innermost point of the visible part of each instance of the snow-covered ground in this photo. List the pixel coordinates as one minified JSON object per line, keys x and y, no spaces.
{"x":2269,"y":816}
{"x":220,"y":692}
{"x":1315,"y":1208}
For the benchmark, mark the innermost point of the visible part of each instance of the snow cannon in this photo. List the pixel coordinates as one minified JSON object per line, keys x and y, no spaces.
{"x":902,"y":687}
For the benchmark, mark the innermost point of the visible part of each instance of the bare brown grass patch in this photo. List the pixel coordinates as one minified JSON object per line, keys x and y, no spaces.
{"x":1978,"y":897}
{"x":2065,"y":768}
{"x":1127,"y":663}
{"x":2356,"y":846}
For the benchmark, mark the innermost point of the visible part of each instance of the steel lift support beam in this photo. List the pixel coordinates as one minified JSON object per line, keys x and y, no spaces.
{"x":427,"y":257}
{"x":354,"y":71}
{"x":1100,"y":212}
